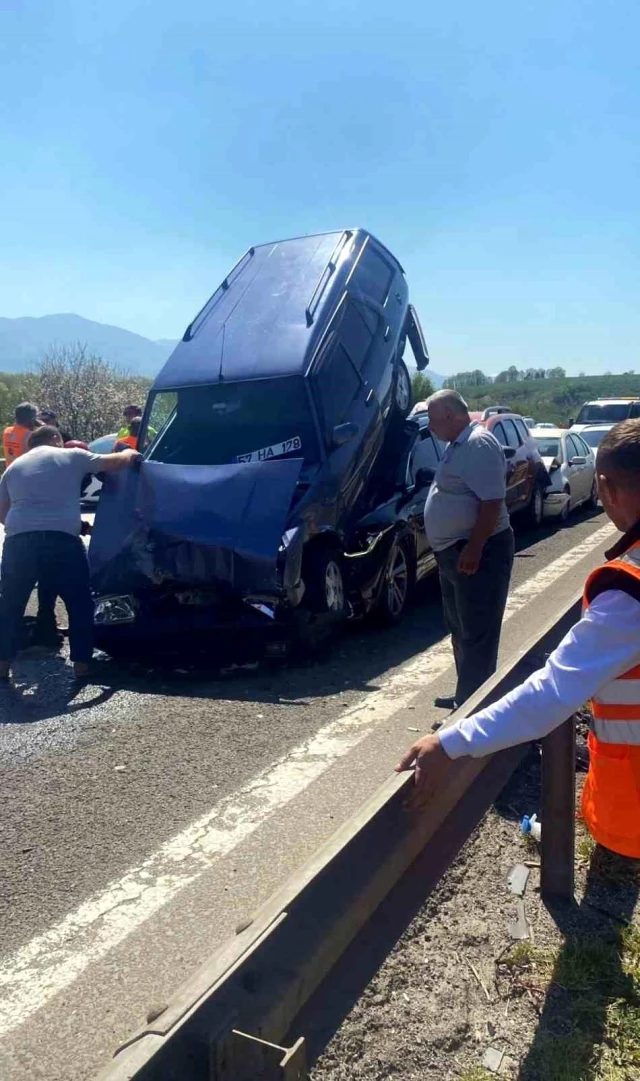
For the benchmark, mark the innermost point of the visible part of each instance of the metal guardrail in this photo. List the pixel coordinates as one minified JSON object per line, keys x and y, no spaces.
{"x":226,"y":1023}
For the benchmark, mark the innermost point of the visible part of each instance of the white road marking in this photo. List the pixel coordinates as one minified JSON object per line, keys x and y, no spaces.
{"x":53,"y":960}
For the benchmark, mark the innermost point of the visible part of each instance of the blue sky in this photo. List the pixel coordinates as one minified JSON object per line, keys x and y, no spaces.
{"x":494,"y":147}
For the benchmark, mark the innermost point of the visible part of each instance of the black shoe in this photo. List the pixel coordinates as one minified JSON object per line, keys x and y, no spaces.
{"x":445,"y":702}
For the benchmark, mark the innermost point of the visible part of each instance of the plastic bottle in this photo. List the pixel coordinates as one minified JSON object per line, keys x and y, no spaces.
{"x":531,"y":827}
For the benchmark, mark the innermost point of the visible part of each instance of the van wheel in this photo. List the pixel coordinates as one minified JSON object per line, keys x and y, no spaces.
{"x":592,"y":501}
{"x":564,"y":513}
{"x":533,"y":513}
{"x":324,"y":606}
{"x":403,"y":393}
{"x":397,"y":586}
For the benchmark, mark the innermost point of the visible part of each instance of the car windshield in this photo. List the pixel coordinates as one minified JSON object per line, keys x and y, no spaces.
{"x":606,"y":413}
{"x":548,"y":447}
{"x":594,"y":436}
{"x":253,"y":421}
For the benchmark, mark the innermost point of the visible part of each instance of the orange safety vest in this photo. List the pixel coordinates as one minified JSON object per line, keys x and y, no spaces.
{"x":14,"y":441}
{"x":129,"y":440}
{"x":611,"y":794}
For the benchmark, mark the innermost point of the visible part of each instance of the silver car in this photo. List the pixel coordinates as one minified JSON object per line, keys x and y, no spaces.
{"x":571,"y":465}
{"x":593,"y":435}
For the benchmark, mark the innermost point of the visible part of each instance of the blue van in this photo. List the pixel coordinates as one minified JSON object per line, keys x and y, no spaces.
{"x":269,"y":421}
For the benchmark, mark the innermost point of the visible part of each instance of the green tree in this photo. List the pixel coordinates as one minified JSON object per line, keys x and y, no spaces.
{"x":422,"y":387}
{"x":556,"y":373}
{"x":86,"y":391}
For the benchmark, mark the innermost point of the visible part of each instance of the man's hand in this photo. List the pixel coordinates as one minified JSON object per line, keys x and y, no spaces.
{"x":123,"y":459}
{"x":132,"y":456}
{"x":432,"y":768}
{"x":469,"y":558}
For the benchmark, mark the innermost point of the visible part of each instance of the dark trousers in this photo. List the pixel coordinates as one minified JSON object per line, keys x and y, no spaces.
{"x":473,"y":609}
{"x":57,"y":562}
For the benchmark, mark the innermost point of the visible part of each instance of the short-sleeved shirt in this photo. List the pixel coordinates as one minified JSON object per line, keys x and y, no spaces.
{"x":42,"y":490}
{"x":472,"y":470}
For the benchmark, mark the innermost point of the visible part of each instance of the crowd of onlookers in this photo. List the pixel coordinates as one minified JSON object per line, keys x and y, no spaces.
{"x":28,"y":418}
{"x":40,"y":493}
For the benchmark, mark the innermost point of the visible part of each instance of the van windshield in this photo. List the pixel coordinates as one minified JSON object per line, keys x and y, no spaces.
{"x":252,"y":421}
{"x":606,"y":413}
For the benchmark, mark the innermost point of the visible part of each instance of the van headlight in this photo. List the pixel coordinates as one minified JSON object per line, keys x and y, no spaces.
{"x":110,"y":610}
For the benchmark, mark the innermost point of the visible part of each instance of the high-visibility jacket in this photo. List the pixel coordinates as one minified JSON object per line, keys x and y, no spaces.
{"x":14,"y":442}
{"x":611,"y":794}
{"x":127,"y":441}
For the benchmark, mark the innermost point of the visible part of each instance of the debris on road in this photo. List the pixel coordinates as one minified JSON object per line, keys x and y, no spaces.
{"x":517,"y":879}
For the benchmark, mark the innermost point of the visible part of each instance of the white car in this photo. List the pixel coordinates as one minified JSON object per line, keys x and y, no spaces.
{"x":594,"y":435}
{"x":545,"y":424}
{"x":103,"y":445}
{"x":571,"y":465}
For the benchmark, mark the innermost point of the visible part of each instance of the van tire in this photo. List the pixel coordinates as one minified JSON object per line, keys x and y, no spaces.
{"x":324,"y":605}
{"x":402,"y":391}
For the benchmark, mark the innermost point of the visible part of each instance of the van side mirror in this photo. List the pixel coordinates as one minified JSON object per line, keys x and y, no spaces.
{"x":343,"y":433}
{"x":571,"y":422}
{"x":424,"y":476}
{"x":509,"y":453}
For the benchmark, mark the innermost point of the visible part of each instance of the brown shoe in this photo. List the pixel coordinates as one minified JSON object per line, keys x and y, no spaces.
{"x":80,"y":669}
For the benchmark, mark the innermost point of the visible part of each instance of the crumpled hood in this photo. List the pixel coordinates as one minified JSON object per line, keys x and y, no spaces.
{"x":193,"y":526}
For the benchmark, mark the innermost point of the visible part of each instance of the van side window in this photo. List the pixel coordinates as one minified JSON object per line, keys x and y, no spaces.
{"x":523,"y":431}
{"x":373,"y":275}
{"x":336,"y":384}
{"x":355,"y":333}
{"x":512,"y":435}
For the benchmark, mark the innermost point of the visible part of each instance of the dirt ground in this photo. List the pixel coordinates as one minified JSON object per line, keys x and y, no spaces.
{"x":460,"y":998}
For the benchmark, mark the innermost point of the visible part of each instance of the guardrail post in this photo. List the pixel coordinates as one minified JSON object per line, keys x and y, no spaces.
{"x":558,"y":812}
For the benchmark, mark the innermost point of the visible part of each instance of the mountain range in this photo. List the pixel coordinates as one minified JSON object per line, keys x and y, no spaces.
{"x":24,"y":340}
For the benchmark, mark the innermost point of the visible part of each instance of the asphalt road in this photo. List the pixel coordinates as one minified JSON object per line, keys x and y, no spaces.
{"x":145,"y":815}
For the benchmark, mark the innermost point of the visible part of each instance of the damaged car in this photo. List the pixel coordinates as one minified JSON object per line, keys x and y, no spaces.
{"x":279,"y":425}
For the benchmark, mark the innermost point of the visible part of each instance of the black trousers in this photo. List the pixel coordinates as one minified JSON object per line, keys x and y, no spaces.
{"x":57,"y":562}
{"x":473,"y":609}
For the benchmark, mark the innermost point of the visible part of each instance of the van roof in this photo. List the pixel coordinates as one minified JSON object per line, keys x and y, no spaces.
{"x":269,"y":313}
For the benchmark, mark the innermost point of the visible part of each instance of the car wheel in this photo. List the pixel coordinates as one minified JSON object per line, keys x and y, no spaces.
{"x":533,"y":513}
{"x":403,"y":393}
{"x":564,"y":513}
{"x":592,"y":501}
{"x":397,"y":585}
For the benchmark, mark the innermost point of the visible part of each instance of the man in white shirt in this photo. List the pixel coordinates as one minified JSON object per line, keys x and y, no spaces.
{"x":40,"y":510}
{"x":599,"y":660}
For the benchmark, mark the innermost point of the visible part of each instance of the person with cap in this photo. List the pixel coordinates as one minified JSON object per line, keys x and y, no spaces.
{"x":48,"y":416}
{"x":130,"y":440}
{"x":130,"y":412}
{"x":40,"y":510}
{"x":15,"y":437}
{"x":599,"y":660}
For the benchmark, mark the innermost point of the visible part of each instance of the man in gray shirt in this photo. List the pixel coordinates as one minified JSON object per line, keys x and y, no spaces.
{"x":40,"y":510}
{"x":467,"y":525}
